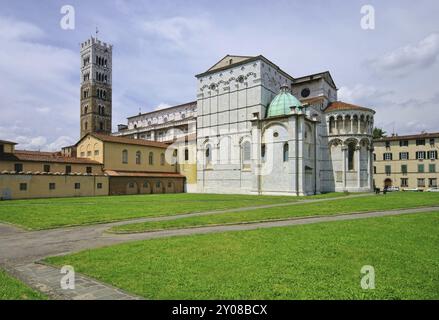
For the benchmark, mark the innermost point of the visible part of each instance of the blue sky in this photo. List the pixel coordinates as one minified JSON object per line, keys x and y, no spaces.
{"x":160,"y":45}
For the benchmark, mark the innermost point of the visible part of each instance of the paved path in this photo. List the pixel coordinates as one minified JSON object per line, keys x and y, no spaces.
{"x":47,"y":279}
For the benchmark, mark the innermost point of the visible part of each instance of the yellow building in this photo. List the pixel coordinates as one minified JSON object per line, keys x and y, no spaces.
{"x":134,"y":166}
{"x":407,"y":162}
{"x":32,"y":174}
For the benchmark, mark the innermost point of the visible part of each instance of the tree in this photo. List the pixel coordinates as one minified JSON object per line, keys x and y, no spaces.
{"x":379,"y":133}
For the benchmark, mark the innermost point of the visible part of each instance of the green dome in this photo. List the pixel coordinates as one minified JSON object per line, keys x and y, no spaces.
{"x":282,"y":103}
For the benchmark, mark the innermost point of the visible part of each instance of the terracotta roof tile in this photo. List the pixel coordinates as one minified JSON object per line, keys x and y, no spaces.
{"x":124,"y":140}
{"x":410,"y":137}
{"x":25,"y":155}
{"x":146,"y":174}
{"x":339,"y":105}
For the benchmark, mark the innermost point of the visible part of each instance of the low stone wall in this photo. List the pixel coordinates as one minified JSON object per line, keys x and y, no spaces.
{"x":145,"y":185}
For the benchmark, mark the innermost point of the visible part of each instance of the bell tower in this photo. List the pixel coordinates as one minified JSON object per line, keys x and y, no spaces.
{"x":96,"y":92}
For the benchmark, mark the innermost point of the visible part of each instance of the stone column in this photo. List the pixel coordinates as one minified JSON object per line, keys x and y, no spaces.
{"x":344,"y":150}
{"x":358,"y":149}
{"x":352,"y":125}
{"x":369,"y":167}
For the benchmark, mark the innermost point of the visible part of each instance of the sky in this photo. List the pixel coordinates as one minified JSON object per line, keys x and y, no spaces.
{"x":159,"y":46}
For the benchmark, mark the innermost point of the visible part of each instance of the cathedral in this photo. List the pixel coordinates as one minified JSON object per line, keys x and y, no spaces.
{"x":260,"y":130}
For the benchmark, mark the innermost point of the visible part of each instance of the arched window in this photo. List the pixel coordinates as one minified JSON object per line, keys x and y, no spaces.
{"x":162,"y":159}
{"x":102,"y":110}
{"x":186,"y":154}
{"x":101,"y":126}
{"x":151,"y":158}
{"x":208,"y":154}
{"x":246,"y":155}
{"x":86,"y":125}
{"x":125,"y":156}
{"x":351,"y":153}
{"x":246,"y":151}
{"x":263,"y":152}
{"x":138,"y":157}
{"x":285,"y":152}
{"x":85,"y":109}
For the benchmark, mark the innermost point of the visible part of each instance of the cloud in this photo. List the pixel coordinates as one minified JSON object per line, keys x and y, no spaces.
{"x":402,"y":60}
{"x":181,"y":32}
{"x":362,"y":94}
{"x":38,"y":86}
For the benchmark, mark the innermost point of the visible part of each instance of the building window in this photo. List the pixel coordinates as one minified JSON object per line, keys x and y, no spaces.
{"x":374,"y":157}
{"x":403,"y":156}
{"x":263,"y":152}
{"x":18,"y":167}
{"x":432,"y":182}
{"x":146,"y":185}
{"x":421,"y":183}
{"x":89,"y":170}
{"x":374,"y":170}
{"x":432,"y":142}
{"x":351,"y":153}
{"x":432,"y":168}
{"x":420,"y":142}
{"x":285,"y":152}
{"x":131,"y":185}
{"x":23,"y":186}
{"x":186,"y":154}
{"x":404,"y":182}
{"x":99,"y":185}
{"x":432,"y":155}
{"x":101,"y":126}
{"x":208,"y":154}
{"x":88,"y":153}
{"x":96,"y":152}
{"x":420,"y":168}
{"x":169,"y":184}
{"x":387,"y":156}
{"x":138,"y":157}
{"x":158,"y":184}
{"x":82,"y":154}
{"x":404,"y":169}
{"x":68,"y":169}
{"x":387,"y":144}
{"x":86,"y":125}
{"x":46,"y":168}
{"x":77,"y":186}
{"x":420,"y":155}
{"x":52,"y":186}
{"x":151,"y":158}
{"x":246,"y":151}
{"x":162,"y":159}
{"x":404,"y":143}
{"x":125,"y":156}
{"x":388,"y":170}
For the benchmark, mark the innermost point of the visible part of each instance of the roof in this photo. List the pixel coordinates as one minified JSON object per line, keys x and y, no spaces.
{"x":325,"y":74}
{"x":124,"y":140}
{"x":229,"y":60}
{"x":7,"y":142}
{"x":25,"y":155}
{"x":282,"y":103}
{"x":340,"y":105}
{"x":177,"y":106}
{"x":244,"y":61}
{"x":409,"y":137}
{"x":145,"y":174}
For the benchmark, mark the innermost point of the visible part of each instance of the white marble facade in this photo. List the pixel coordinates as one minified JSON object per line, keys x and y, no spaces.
{"x":240,"y":150}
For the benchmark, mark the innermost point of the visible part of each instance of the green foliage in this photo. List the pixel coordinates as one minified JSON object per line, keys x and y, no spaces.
{"x":13,"y":289}
{"x":53,"y":213}
{"x":318,"y":261}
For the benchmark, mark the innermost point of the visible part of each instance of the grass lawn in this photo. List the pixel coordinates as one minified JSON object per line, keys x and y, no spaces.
{"x":395,"y":200}
{"x":52,"y":213}
{"x":13,"y":289}
{"x":319,"y":261}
